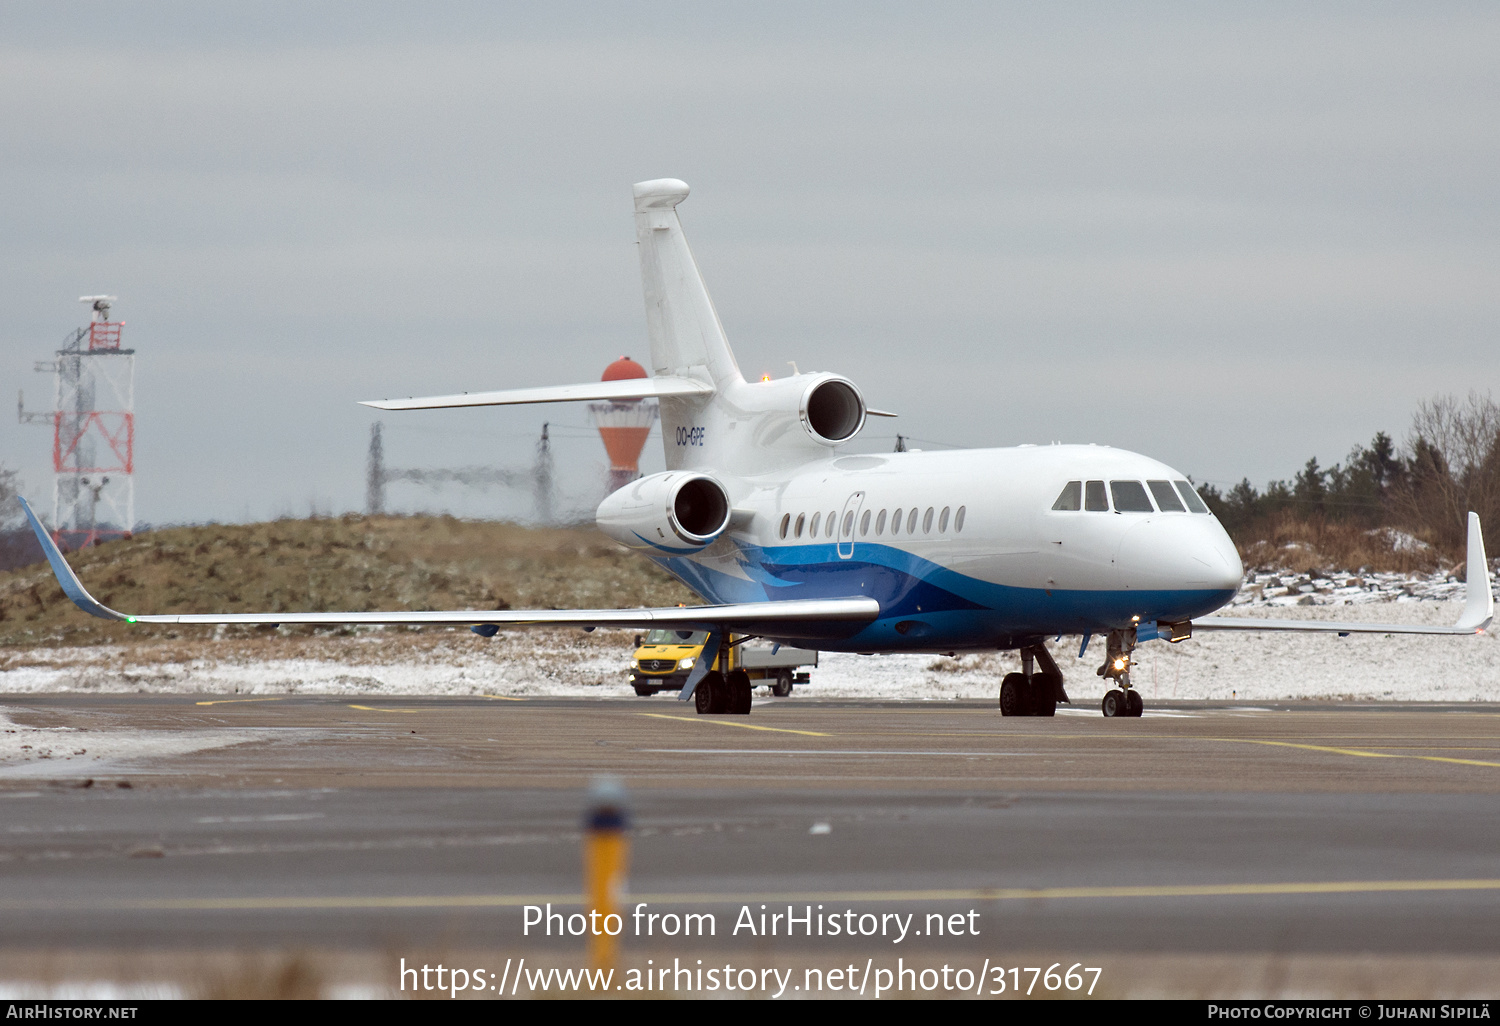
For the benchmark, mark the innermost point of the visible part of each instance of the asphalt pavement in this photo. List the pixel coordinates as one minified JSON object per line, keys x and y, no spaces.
{"x":335,"y":823}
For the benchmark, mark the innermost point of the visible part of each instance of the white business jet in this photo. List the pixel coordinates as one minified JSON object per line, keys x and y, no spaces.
{"x":970,"y":550}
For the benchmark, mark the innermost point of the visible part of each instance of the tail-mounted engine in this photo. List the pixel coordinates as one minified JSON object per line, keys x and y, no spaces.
{"x":832,"y":410}
{"x":676,"y":513}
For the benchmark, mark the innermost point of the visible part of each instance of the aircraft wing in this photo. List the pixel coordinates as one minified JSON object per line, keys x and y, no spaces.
{"x":1257,"y":623}
{"x":801,"y":618}
{"x":1479,"y":606}
{"x":630,"y":388}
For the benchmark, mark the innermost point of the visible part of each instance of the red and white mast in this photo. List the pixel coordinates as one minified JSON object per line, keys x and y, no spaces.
{"x":93,"y":432}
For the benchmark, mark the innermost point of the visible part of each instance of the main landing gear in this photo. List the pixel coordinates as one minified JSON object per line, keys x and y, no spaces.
{"x":1120,"y":701}
{"x":1033,"y":692}
{"x":721,"y":693}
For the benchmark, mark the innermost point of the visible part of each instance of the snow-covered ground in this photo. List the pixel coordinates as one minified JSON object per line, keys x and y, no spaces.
{"x":1345,"y":589}
{"x":520,"y":663}
{"x":46,"y":752}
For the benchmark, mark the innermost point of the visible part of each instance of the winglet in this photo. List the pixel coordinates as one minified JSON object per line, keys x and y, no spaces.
{"x":1479,"y":610}
{"x":71,"y":585}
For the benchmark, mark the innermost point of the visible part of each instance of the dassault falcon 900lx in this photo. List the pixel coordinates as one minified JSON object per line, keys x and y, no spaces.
{"x":905,"y":552}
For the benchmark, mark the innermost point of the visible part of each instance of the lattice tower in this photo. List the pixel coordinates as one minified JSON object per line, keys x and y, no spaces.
{"x":93,"y":432}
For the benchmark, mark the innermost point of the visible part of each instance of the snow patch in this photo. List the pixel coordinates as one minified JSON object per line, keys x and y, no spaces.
{"x":1248,"y":666}
{"x":81,"y":752}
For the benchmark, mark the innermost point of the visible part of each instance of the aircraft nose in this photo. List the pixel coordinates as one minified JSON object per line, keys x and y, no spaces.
{"x":1172,"y":552}
{"x":1229,"y":557}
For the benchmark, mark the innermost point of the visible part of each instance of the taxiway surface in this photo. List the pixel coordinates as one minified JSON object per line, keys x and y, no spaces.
{"x":1297,"y":829}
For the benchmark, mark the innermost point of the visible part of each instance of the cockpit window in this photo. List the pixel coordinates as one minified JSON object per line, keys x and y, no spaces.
{"x":1130,"y":497}
{"x":1166,"y":499}
{"x":1071,"y":497}
{"x":1191,"y":497}
{"x":1094,"y":499}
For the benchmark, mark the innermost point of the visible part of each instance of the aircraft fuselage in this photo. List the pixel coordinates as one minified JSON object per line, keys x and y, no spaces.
{"x":979,"y":558}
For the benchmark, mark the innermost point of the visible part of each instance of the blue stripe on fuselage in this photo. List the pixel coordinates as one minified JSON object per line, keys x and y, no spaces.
{"x":925,"y":606}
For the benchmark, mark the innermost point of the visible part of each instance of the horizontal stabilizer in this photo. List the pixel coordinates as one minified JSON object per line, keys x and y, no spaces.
{"x":631,"y":388}
{"x":797,"y":618}
{"x":1479,"y":606}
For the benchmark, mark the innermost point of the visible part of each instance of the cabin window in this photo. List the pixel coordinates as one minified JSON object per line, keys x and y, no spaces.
{"x":1166,"y":499}
{"x":785,"y":520}
{"x":911,"y":521}
{"x":943,"y":521}
{"x":849,"y":524}
{"x":1130,"y":497}
{"x":864,"y":523}
{"x":833,"y":519}
{"x":880,"y":523}
{"x":958,"y":519}
{"x":812,"y":532}
{"x":896,"y":522}
{"x":801,"y":523}
{"x":1190,"y":497}
{"x":1071,"y":498}
{"x":927,"y":521}
{"x":1094,"y":498}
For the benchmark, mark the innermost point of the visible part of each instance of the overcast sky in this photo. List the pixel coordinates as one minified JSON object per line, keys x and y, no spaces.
{"x":1228,"y":236}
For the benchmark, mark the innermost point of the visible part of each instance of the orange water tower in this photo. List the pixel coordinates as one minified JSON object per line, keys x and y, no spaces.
{"x":624,"y":425}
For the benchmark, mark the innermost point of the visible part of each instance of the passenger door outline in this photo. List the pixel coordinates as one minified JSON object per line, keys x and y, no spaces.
{"x":846,"y":537}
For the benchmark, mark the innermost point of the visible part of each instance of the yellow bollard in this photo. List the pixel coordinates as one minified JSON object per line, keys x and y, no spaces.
{"x":606,"y":868}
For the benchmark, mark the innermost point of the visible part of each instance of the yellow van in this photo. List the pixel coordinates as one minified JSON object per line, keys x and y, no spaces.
{"x":664,"y":658}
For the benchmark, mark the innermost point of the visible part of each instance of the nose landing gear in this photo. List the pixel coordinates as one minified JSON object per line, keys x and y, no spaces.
{"x":1121,"y":701}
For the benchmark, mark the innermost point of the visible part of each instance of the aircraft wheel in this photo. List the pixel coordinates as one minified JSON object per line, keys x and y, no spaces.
{"x":1013,"y":696}
{"x":1135,"y":705}
{"x":1114,"y":703}
{"x":645,"y":690}
{"x":1043,"y":695}
{"x":739,"y":691}
{"x":783,"y":686}
{"x":711,"y":695}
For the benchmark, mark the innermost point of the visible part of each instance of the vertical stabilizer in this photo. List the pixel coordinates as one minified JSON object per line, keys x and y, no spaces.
{"x":686,"y":337}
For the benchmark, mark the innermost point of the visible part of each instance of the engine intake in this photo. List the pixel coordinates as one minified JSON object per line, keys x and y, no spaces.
{"x":676,"y":513}
{"x":832,"y":410}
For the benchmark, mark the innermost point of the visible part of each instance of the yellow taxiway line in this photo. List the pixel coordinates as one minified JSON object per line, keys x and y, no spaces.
{"x":230,"y":701}
{"x":732,"y":723}
{"x":1357,"y":752}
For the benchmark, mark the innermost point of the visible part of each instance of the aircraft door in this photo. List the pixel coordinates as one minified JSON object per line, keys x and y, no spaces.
{"x":848,"y":520}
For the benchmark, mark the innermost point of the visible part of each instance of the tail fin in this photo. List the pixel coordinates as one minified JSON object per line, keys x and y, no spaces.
{"x":685,"y":332}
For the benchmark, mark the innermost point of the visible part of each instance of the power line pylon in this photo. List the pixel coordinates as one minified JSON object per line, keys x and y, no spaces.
{"x":538,"y":479}
{"x":542,"y":478}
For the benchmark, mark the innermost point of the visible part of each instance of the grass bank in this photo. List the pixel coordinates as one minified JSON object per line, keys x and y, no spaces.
{"x":353,"y":563}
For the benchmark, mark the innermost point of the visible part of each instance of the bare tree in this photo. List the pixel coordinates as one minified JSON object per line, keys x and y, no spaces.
{"x":10,"y":509}
{"x":1452,"y":467}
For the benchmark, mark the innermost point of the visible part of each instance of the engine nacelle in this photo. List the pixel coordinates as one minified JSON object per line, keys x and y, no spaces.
{"x":676,"y":513}
{"x":832,"y":410}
